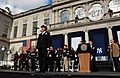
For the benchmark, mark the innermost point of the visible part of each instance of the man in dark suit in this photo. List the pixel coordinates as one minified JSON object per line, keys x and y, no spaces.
{"x":42,"y":44}
{"x":93,"y":51}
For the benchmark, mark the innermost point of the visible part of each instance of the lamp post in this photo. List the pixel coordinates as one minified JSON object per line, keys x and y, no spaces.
{"x":3,"y":50}
{"x":8,"y":52}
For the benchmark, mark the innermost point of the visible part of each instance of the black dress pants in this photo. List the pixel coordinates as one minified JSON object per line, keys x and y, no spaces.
{"x":42,"y":59}
{"x":116,"y":62}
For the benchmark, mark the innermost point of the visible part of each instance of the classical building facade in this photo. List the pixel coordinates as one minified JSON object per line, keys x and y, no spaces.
{"x":69,"y":22}
{"x":5,"y":29}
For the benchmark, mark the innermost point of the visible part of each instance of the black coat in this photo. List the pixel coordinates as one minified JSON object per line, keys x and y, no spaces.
{"x":43,"y":40}
{"x":50,"y":55}
{"x":94,"y":50}
{"x":33,"y":55}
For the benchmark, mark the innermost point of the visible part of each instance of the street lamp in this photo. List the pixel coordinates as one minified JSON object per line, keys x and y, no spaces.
{"x":8,"y":52}
{"x":3,"y":50}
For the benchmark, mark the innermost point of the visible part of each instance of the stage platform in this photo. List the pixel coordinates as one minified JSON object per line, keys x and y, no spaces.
{"x":26,"y":74}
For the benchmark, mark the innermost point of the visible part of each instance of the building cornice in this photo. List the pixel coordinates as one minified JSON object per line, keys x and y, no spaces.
{"x":4,"y":39}
{"x":47,"y":7}
{"x":2,"y":11}
{"x":69,"y":1}
{"x":84,"y":24}
{"x":32,"y":11}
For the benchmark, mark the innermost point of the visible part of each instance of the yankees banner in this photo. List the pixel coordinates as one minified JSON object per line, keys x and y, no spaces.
{"x":100,"y":41}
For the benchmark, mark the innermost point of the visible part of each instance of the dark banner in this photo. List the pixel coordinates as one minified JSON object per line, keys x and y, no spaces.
{"x":116,"y":33}
{"x":100,"y":40}
{"x":57,"y":41}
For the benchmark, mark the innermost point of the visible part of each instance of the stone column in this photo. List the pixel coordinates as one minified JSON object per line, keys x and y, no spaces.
{"x":71,"y":13}
{"x":66,"y":39}
{"x":53,"y":17}
{"x":110,"y":35}
{"x":57,"y":16}
{"x":86,"y":36}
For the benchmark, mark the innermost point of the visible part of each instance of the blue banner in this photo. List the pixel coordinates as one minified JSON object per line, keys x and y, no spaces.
{"x":100,"y":40}
{"x":57,"y":41}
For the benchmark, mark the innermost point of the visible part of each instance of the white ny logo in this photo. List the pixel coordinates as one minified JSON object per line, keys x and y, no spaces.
{"x":99,"y":50}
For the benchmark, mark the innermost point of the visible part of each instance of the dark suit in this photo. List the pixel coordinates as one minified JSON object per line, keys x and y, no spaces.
{"x":50,"y":60}
{"x":33,"y":58}
{"x":42,"y":44}
{"x":15,"y":61}
{"x":57,"y":59}
{"x":93,"y":54}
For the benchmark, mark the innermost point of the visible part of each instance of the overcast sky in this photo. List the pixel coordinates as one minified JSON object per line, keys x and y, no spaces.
{"x":17,"y":6}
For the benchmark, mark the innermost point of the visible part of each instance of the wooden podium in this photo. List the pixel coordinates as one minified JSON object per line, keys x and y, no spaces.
{"x":84,"y":57}
{"x":84,"y":61}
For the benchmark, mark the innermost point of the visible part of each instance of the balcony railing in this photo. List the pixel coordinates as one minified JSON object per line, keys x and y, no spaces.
{"x":82,"y":21}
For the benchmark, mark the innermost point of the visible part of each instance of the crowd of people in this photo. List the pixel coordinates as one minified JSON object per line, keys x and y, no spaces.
{"x":46,"y":58}
{"x":59,"y":58}
{"x":56,"y":59}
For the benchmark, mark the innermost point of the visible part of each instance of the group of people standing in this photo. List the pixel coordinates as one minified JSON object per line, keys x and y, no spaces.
{"x":25,"y":60}
{"x":49,"y":58}
{"x":55,"y":59}
{"x":43,"y":45}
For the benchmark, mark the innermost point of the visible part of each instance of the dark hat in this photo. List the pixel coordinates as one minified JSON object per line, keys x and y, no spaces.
{"x":43,"y":26}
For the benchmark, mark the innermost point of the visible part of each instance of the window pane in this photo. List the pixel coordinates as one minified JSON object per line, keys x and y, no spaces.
{"x":35,"y":27}
{"x":15,"y":31}
{"x":24,"y":29}
{"x":5,"y":31}
{"x":47,"y":21}
{"x":64,"y":16}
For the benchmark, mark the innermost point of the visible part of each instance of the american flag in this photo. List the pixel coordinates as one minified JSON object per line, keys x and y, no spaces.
{"x":26,"y":45}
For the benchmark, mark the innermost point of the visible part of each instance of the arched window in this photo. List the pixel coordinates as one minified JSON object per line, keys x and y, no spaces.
{"x":80,"y":12}
{"x":64,"y":16}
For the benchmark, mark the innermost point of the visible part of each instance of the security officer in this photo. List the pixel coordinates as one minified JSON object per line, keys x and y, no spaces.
{"x":33,"y":58}
{"x":42,"y":44}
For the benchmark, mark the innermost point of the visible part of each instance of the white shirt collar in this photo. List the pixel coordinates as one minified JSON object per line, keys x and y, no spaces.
{"x":43,"y":32}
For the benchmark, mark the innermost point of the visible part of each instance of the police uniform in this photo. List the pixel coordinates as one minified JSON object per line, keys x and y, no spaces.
{"x":42,"y":44}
